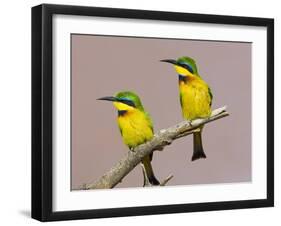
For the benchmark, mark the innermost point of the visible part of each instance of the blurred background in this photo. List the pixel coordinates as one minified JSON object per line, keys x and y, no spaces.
{"x":104,"y":65}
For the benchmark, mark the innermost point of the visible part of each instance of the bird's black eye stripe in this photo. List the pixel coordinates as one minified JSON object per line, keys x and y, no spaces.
{"x":189,"y":68}
{"x":128,"y":102}
{"x":122,"y":113}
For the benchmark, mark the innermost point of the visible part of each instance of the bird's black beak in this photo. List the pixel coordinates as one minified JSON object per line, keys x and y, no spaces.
{"x":170,"y":61}
{"x":108,"y":98}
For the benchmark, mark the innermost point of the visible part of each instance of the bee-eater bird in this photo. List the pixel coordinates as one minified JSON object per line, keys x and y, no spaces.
{"x":195,"y":98}
{"x":135,"y":125}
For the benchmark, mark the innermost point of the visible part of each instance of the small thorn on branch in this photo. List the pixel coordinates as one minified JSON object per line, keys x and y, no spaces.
{"x":164,"y":182}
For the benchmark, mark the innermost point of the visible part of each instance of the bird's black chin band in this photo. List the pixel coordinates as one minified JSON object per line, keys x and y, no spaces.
{"x":182,"y":78}
{"x":122,"y":113}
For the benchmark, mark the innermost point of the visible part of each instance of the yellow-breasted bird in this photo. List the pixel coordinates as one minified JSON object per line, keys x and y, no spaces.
{"x":195,"y":98}
{"x":135,"y":125}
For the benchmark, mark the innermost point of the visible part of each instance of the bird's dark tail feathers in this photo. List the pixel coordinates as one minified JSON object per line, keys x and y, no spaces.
{"x":198,"y":151}
{"x":149,"y":171}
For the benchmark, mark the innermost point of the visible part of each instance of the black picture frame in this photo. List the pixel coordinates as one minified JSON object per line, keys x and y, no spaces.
{"x":42,"y":111}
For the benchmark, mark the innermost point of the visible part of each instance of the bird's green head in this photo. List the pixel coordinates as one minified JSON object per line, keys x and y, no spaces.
{"x":125,"y":101}
{"x":184,"y":66}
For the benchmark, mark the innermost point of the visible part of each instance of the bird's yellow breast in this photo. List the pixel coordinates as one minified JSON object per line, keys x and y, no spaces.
{"x":135,"y":128}
{"x":195,"y":99}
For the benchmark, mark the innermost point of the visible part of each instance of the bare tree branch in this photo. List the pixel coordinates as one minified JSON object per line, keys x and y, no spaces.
{"x":161,"y":139}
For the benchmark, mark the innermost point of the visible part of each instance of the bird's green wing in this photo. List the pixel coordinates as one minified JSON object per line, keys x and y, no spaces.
{"x":149,"y":120}
{"x":181,"y":99}
{"x":150,"y":124}
{"x":120,"y":129}
{"x":211,"y":95}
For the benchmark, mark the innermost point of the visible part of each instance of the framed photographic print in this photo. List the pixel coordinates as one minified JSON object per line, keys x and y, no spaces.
{"x":145,"y":112}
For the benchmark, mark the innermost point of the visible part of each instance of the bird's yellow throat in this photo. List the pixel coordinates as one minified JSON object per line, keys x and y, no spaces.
{"x":123,"y":107}
{"x":182,"y":71}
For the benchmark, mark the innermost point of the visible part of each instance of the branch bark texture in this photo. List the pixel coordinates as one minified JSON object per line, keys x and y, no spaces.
{"x":161,"y":139}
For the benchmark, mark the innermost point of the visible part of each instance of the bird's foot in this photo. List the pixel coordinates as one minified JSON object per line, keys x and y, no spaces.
{"x":189,"y":122}
{"x":132,"y":149}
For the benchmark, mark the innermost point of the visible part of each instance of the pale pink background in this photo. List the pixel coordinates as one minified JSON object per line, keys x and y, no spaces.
{"x":103,"y":65}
